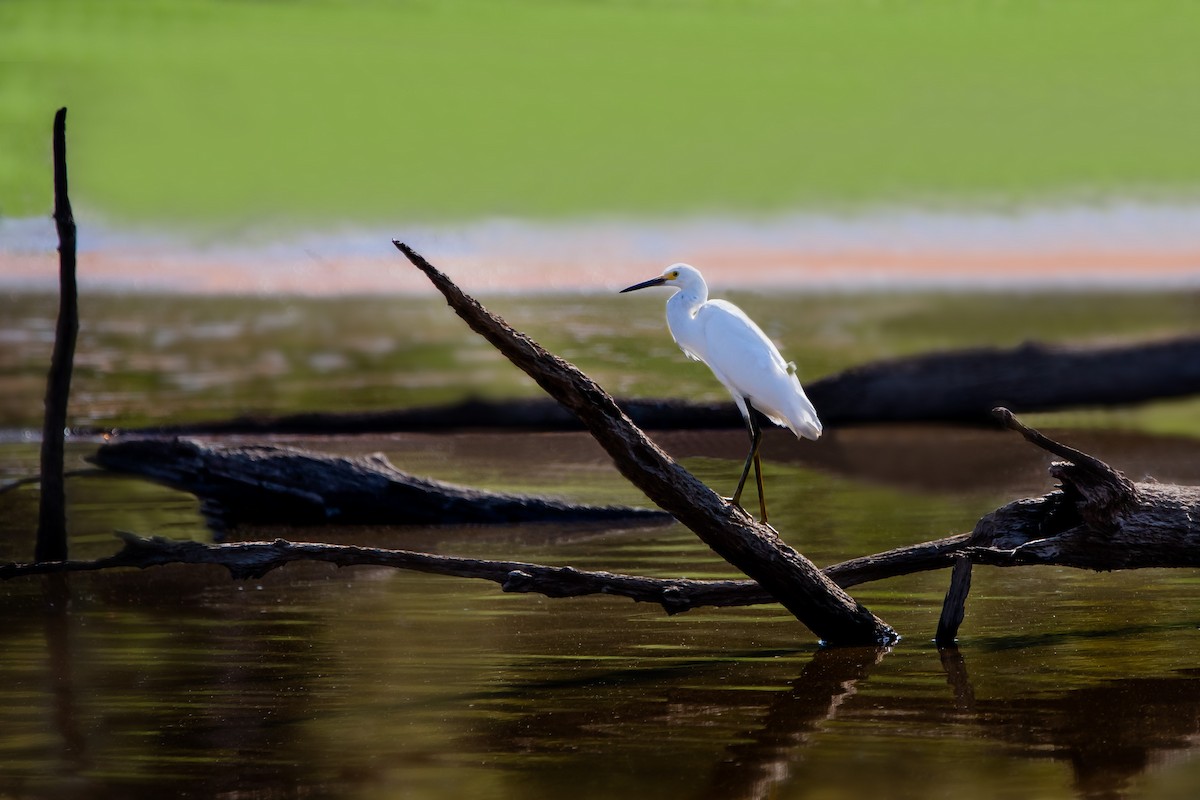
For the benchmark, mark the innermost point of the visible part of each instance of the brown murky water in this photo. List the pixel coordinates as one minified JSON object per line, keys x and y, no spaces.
{"x":371,"y":683}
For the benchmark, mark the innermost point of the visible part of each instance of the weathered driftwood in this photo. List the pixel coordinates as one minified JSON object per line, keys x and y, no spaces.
{"x":956,"y":386}
{"x":282,"y":485}
{"x":52,"y":505}
{"x":246,"y":560}
{"x":754,"y":548}
{"x":1098,"y":519}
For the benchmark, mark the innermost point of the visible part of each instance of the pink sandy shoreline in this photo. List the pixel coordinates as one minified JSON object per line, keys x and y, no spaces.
{"x":846,"y":270}
{"x":1117,"y":245}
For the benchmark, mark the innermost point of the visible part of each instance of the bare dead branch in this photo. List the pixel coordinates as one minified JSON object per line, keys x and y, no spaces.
{"x":1155,"y":529}
{"x":1100,"y":492}
{"x":1098,"y":520}
{"x":751,"y":547}
{"x":246,"y":560}
{"x":52,"y":505}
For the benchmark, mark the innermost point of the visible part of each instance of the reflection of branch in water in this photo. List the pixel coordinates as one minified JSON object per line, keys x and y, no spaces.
{"x":1109,"y":733}
{"x":754,"y":767}
{"x":957,"y":678}
{"x":60,"y":674}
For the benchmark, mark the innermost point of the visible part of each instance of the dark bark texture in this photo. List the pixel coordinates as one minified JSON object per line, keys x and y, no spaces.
{"x":52,"y":509}
{"x":1098,"y":519}
{"x":966,"y":385}
{"x":279,"y":485}
{"x":753,"y":548}
{"x":246,"y":560}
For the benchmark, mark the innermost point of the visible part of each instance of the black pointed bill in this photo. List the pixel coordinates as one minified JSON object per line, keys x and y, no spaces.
{"x":659,"y":281}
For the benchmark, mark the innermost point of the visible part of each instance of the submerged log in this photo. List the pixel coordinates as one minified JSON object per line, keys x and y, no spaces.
{"x":281,"y":485}
{"x":955,"y":386}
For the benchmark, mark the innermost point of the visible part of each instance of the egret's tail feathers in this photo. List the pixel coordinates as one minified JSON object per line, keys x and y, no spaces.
{"x":804,"y":424}
{"x":802,"y":418}
{"x":808,"y":428}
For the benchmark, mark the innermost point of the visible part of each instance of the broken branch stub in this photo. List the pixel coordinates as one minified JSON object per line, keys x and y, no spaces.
{"x":1097,"y":519}
{"x":753,"y":548}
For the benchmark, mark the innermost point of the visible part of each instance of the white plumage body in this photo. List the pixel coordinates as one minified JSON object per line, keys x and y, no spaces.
{"x":744,"y":360}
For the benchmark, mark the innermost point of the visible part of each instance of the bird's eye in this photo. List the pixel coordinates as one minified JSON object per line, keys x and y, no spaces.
{"x":673,"y":274}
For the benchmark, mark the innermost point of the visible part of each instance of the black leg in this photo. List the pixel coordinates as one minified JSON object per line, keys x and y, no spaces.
{"x":755,"y":439}
{"x":762,"y":497}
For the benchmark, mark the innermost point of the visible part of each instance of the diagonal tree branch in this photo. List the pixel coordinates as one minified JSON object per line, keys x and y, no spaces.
{"x":751,"y":547}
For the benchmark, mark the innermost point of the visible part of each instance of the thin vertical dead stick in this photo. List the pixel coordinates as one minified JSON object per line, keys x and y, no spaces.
{"x":52,"y":512}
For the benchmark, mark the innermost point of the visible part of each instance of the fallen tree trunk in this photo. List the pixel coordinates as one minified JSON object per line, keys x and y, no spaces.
{"x":280,"y":485}
{"x":965,"y":385}
{"x":1098,"y":520}
{"x":958,"y":386}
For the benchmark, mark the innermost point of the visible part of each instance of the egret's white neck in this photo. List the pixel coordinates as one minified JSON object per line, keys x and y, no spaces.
{"x":689,"y":298}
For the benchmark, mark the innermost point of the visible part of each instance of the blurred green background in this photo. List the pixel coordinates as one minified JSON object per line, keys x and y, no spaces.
{"x":376,"y":111}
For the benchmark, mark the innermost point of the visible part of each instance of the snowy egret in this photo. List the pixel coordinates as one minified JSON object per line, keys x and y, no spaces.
{"x":720,"y":334}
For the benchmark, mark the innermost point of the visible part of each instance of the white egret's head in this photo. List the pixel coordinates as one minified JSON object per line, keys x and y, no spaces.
{"x":679,"y":276}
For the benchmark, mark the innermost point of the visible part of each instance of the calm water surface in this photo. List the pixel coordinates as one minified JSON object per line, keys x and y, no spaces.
{"x":372,"y":683}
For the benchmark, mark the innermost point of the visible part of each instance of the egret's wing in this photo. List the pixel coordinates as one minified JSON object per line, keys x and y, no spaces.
{"x":734,"y":340}
{"x":750,"y":366}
